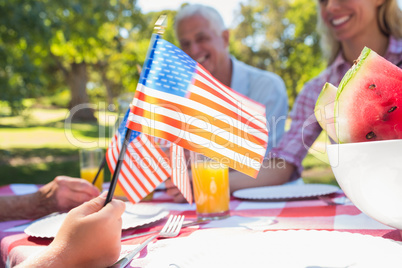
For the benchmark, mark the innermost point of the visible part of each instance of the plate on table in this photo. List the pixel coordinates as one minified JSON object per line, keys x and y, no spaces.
{"x":233,"y":247}
{"x":290,"y":191}
{"x":134,"y":216}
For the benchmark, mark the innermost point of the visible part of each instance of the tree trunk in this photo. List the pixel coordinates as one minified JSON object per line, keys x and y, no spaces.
{"x":77,"y":79}
{"x":108,"y":84}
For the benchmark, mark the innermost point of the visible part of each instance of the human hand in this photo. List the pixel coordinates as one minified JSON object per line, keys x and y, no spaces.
{"x":65,"y":193}
{"x":89,"y":237}
{"x":174,"y":192}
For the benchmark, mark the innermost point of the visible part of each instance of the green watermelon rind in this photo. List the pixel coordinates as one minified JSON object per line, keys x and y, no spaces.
{"x":352,"y":71}
{"x":323,"y":100}
{"x":350,"y":74}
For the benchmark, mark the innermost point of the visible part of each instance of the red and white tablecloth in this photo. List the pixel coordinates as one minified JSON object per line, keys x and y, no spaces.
{"x":312,"y":214}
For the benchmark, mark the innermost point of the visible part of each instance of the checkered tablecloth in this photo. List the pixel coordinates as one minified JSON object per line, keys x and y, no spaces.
{"x":312,"y":214}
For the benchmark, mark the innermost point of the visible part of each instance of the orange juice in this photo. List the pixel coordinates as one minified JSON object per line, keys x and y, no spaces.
{"x":118,"y":191}
{"x":89,"y":173}
{"x":211,"y":188}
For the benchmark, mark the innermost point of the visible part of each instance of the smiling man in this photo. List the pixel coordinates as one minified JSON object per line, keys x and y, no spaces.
{"x":203,"y":36}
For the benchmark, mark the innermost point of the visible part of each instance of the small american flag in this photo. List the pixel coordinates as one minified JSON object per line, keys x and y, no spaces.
{"x":144,"y":166}
{"x":180,"y":173}
{"x":178,"y":100}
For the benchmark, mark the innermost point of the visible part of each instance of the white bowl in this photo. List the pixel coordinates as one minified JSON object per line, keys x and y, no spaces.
{"x":370,"y":174}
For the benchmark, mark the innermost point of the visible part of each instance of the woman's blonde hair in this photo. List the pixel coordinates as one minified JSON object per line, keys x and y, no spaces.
{"x":389,"y":19}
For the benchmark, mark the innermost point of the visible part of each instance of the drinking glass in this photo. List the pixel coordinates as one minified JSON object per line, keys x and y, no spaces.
{"x":90,"y":160}
{"x":211,"y":187}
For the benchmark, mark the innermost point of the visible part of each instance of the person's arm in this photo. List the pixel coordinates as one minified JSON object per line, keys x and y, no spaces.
{"x":174,"y":192}
{"x":274,"y":171}
{"x":61,"y":194}
{"x":89,"y":237}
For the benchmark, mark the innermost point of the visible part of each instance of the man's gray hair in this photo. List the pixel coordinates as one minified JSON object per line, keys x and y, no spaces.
{"x":209,"y":13}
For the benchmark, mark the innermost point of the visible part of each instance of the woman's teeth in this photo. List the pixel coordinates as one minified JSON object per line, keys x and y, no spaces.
{"x":339,"y":21}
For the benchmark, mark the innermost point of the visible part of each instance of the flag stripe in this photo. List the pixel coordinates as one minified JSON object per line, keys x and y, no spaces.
{"x":193,"y":139}
{"x":209,"y":137}
{"x":180,"y":173}
{"x":210,"y":90}
{"x":188,"y":107}
{"x":142,"y":169}
{"x":200,"y":96}
{"x":162,"y":109}
{"x":252,"y":107}
{"x":249,"y":166}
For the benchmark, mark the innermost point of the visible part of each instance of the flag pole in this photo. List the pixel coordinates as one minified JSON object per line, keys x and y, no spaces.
{"x":159,"y":29}
{"x":102,"y":165}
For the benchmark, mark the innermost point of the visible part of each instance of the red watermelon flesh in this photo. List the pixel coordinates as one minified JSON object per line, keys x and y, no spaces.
{"x":369,"y":101}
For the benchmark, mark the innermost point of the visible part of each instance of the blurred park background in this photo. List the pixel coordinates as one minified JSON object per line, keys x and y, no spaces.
{"x":57,"y":55}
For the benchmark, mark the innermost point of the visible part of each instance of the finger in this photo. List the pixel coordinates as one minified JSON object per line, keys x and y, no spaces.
{"x":71,"y":199}
{"x":114,"y":207}
{"x":91,"y":206}
{"x":169,"y":183}
{"x":78,"y":185}
{"x":173,"y":191}
{"x":179,"y":199}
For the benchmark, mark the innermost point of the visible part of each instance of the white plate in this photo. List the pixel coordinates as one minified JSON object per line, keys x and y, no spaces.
{"x":286,"y":191}
{"x":295,"y":248}
{"x":135,"y":215}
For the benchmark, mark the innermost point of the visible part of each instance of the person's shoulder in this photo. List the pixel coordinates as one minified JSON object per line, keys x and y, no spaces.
{"x":395,"y":45}
{"x":259,"y":74}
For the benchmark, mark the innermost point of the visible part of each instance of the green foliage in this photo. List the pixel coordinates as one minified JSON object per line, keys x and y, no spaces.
{"x":280,"y":36}
{"x":42,"y":41}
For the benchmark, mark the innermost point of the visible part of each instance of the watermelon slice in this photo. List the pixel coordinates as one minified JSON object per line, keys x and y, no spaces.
{"x":324,"y":110}
{"x":368,"y":104}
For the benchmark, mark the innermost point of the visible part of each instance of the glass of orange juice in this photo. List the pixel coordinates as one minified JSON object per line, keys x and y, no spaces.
{"x":90,"y":160}
{"x":211,"y":187}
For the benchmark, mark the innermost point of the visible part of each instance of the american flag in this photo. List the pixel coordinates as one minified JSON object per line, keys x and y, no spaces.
{"x":144,"y":166}
{"x":178,"y":100}
{"x":180,"y":173}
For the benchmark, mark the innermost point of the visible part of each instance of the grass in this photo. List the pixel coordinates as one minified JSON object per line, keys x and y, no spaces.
{"x":316,"y":164}
{"x":38,"y":145}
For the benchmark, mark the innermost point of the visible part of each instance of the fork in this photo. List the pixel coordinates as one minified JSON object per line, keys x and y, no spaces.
{"x":191,"y":223}
{"x":170,"y":229}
